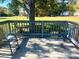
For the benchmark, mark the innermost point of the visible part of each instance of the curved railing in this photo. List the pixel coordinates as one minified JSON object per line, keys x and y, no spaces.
{"x":74,"y":33}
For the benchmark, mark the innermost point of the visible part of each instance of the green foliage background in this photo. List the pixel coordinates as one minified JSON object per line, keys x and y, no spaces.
{"x":42,"y":7}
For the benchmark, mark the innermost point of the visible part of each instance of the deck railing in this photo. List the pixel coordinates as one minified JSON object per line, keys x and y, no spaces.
{"x":40,"y":28}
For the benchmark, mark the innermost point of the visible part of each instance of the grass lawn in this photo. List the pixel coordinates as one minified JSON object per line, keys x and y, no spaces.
{"x":66,"y":18}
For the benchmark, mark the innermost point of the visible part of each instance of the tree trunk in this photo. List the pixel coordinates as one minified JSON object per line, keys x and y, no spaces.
{"x":32,"y":10}
{"x":32,"y":15}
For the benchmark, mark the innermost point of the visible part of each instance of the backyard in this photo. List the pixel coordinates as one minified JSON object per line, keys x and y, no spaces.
{"x":39,"y":29}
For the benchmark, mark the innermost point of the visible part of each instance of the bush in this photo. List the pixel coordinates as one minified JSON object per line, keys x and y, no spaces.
{"x":2,"y":14}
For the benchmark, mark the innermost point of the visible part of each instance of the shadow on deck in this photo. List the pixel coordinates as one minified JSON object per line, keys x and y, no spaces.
{"x":44,"y":49}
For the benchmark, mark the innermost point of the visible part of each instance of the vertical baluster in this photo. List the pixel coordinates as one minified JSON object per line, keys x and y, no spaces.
{"x":9,"y":27}
{"x":4,"y":28}
{"x":36,"y":27}
{"x":12,"y":27}
{"x":28,"y":27}
{"x":17,"y":23}
{"x":58,"y":30}
{"x":49,"y":27}
{"x":24,"y":26}
{"x":52,"y":28}
{"x":19,"y":27}
{"x":55,"y":29}
{"x":15,"y":26}
{"x":42,"y":23}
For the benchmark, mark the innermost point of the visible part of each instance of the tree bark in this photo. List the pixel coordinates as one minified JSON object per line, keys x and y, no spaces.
{"x":32,"y":15}
{"x":32,"y":10}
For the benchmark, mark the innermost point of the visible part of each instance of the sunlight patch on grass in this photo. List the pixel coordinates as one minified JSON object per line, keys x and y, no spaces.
{"x":70,"y":18}
{"x":65,"y":18}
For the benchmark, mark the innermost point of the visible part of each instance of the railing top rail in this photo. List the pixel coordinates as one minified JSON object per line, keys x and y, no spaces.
{"x":3,"y":22}
{"x":73,"y":23}
{"x":28,"y":21}
{"x":23,"y":21}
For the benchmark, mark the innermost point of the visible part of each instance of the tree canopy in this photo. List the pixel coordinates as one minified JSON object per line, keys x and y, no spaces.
{"x":42,"y":7}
